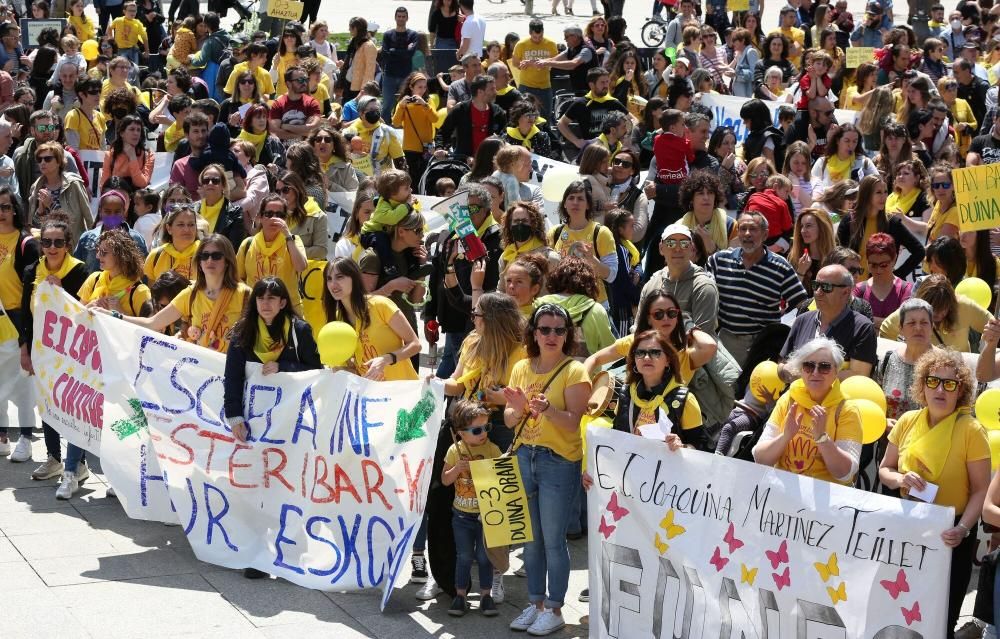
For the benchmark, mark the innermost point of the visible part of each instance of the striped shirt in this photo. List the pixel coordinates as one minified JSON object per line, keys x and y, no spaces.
{"x":751,"y":299}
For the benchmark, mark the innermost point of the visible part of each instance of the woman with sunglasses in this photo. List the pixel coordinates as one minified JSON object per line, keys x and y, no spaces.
{"x":626,"y":192}
{"x":211,"y":305}
{"x":61,"y":269}
{"x":331,"y":151}
{"x":943,"y":220}
{"x":942,"y":445}
{"x":178,"y":245}
{"x":223,"y":216}
{"x":954,"y":315}
{"x":284,"y":58}
{"x":754,"y":179}
{"x":274,"y":250}
{"x":883,"y":290}
{"x":962,"y":118}
{"x":386,"y":341}
{"x":247,"y":92}
{"x":306,"y":219}
{"x":546,"y":398}
{"x":58,"y":190}
{"x":813,"y":430}
{"x":128,"y":160}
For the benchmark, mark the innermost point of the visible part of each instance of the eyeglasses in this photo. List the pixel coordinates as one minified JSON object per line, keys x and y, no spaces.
{"x":940,"y":185}
{"x":933,"y":381}
{"x":216,"y":256}
{"x":211,"y":180}
{"x":48,"y":242}
{"x":760,"y":175}
{"x":675,"y":243}
{"x":477,"y":430}
{"x":45,"y":158}
{"x":826,"y":287}
{"x":855,"y":271}
{"x":302,"y":80}
{"x":285,"y":190}
{"x":6,"y":208}
{"x":648,"y":353}
{"x":626,"y":164}
{"x":278,"y":214}
{"x":47,"y":128}
{"x":548,"y":330}
{"x":823,"y":367}
{"x":660,"y":313}
{"x":878,"y":265}
{"x":323,"y":138}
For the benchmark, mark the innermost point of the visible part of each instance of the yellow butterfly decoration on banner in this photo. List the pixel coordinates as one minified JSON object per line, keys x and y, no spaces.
{"x":668,"y":525}
{"x":840,"y":594}
{"x":828,"y":569}
{"x":747,"y":575}
{"x":661,"y":547}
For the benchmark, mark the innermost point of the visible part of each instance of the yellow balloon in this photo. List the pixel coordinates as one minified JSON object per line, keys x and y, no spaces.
{"x":90,"y":50}
{"x":872,"y":420}
{"x":858,"y":387}
{"x":994,"y":436}
{"x":988,"y":409}
{"x":337,"y":342}
{"x":976,"y":290}
{"x":765,"y":384}
{"x":555,"y":181}
{"x":597,"y":422}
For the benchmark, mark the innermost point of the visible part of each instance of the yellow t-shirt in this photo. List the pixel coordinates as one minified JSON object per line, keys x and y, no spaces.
{"x":254,"y":266}
{"x":802,"y":455}
{"x":159,"y":261}
{"x":970,"y":315}
{"x":128,"y":32}
{"x":469,"y":363}
{"x":624,"y":344}
{"x":938,"y":220}
{"x":541,"y":431}
{"x":90,"y":130}
{"x":528,"y":50}
{"x":379,"y":339}
{"x":10,"y":283}
{"x":196,"y":309}
{"x":321,"y":95}
{"x":264,"y":83}
{"x":968,"y":444}
{"x":84,"y":26}
{"x":690,"y":417}
{"x":173,"y":136}
{"x":846,"y":100}
{"x":131,"y":300}
{"x":567,"y":236}
{"x":107,"y":88}
{"x":465,"y":492}
{"x":312,"y":285}
{"x":971,"y":270}
{"x":281,"y":63}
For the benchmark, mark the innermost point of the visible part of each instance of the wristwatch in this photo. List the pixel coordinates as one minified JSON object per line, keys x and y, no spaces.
{"x":822,"y":438}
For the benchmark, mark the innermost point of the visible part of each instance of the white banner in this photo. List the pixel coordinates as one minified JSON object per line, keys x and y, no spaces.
{"x":330,"y":489}
{"x":696,"y":545}
{"x":726,"y":112}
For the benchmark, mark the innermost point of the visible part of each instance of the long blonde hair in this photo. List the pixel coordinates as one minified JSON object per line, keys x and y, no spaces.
{"x":824,"y":242}
{"x":880,"y":104}
{"x":503,"y":332}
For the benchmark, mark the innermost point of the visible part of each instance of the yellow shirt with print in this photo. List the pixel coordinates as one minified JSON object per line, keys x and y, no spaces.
{"x":540,"y":431}
{"x":690,"y":416}
{"x":264,"y":83}
{"x":131,"y":301}
{"x":379,"y":339}
{"x":84,"y":26}
{"x":624,"y":344}
{"x":196,"y":309}
{"x":968,"y":444}
{"x":465,"y":491}
{"x":10,"y":283}
{"x":801,"y":455}
{"x":128,"y":32}
{"x":278,"y":265}
{"x":567,"y":237}
{"x":528,"y":50}
{"x":90,"y":130}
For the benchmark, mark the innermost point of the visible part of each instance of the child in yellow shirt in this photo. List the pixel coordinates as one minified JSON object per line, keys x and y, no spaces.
{"x":128,"y":32}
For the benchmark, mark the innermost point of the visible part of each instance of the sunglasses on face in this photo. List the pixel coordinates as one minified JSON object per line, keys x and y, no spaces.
{"x":648,"y":353}
{"x":45,"y":158}
{"x":675,"y":243}
{"x":48,"y":242}
{"x":933,"y":381}
{"x":660,"y":313}
{"x":285,"y":190}
{"x":248,"y":81}
{"x":760,"y":175}
{"x":299,"y":80}
{"x":211,"y":180}
{"x":940,"y":185}
{"x":627,"y":164}
{"x":826,"y":287}
{"x":477,"y":430}
{"x":320,"y":139}
{"x":216,"y":256}
{"x":823,"y":367}
{"x":277,"y":214}
{"x":46,"y":128}
{"x":548,"y":330}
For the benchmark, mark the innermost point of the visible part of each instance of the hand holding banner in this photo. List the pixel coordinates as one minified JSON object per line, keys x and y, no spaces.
{"x":503,"y":504}
{"x":858,"y":55}
{"x":285,"y":9}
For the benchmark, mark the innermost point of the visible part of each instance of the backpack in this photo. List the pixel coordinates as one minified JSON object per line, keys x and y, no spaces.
{"x":714,"y":384}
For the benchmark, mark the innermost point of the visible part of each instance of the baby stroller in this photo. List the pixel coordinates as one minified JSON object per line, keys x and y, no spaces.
{"x":447,"y":168}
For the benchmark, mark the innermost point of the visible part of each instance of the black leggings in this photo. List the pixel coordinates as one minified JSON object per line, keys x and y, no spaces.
{"x":415,"y":165}
{"x":51,"y":442}
{"x":310,"y":8}
{"x":961,"y":571}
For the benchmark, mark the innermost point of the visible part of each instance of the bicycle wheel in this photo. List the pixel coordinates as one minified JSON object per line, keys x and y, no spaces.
{"x":654,"y":33}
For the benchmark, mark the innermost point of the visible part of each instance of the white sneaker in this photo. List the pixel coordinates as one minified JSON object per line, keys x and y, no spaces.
{"x":497,"y":590}
{"x":82,"y":472}
{"x":22,"y":452}
{"x":429,"y":590}
{"x":47,"y":470}
{"x":526,"y":618}
{"x":546,"y":623}
{"x":5,"y":449}
{"x":68,"y":485}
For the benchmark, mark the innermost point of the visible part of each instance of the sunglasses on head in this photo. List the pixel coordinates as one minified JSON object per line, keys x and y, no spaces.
{"x":216,"y":256}
{"x":940,"y":185}
{"x":933,"y":381}
{"x":48,"y":242}
{"x":477,"y":430}
{"x":211,"y":180}
{"x":650,"y":353}
{"x":823,"y":367}
{"x":277,"y":214}
{"x":660,"y":313}
{"x":826,"y":287}
{"x":675,"y":243}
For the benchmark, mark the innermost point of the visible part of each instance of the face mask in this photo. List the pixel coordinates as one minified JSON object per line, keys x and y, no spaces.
{"x":371,"y":117}
{"x":520,"y":232}
{"x":956,"y":24}
{"x":111,"y":221}
{"x":119,"y":113}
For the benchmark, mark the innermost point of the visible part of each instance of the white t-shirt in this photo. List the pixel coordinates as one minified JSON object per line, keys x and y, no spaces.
{"x":474,"y":28}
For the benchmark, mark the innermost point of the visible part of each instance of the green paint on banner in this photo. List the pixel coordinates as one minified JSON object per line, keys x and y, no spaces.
{"x":409,"y":423}
{"x":131,"y":425}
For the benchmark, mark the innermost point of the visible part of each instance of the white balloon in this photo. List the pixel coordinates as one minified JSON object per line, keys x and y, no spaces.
{"x":555,"y":181}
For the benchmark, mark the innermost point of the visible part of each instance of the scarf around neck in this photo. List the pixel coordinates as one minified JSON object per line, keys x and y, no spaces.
{"x":512,"y":250}
{"x":256,"y":139}
{"x":515,"y":133}
{"x":68,"y":264}
{"x":839,"y":169}
{"x":925,"y":449}
{"x":901,"y":203}
{"x":265,"y":348}
{"x":107,"y":286}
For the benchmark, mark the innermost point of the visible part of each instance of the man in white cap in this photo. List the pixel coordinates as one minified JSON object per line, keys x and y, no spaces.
{"x":694,"y":288}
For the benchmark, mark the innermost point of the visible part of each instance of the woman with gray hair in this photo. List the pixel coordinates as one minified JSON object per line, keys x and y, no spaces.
{"x":813,"y":431}
{"x":894,"y":372}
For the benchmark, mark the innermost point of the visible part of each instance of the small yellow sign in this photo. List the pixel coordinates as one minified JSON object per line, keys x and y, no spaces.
{"x":285,"y":9}
{"x":857,"y":55}
{"x":977,"y":195}
{"x":503,"y":503}
{"x":738,"y":5}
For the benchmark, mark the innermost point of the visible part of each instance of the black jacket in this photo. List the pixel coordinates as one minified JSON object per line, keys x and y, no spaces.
{"x":458,"y":124}
{"x":975,"y":95}
{"x":451,"y":306}
{"x":300,"y":354}
{"x":697,"y":437}
{"x":230,"y":223}
{"x":71,"y":284}
{"x":903,"y":237}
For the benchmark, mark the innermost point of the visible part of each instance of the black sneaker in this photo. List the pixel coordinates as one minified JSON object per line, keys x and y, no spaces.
{"x":585,"y":595}
{"x":418,"y":574}
{"x":487,"y":607}
{"x":253,"y":573}
{"x":458,"y":607}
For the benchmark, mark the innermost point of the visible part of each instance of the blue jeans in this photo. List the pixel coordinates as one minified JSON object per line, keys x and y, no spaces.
{"x":550,"y":482}
{"x":390,"y":87}
{"x":578,"y":513}
{"x":131,"y":54}
{"x":449,"y":355}
{"x":470,"y":546}
{"x":420,"y":539}
{"x":74,"y":455}
{"x":545,"y":95}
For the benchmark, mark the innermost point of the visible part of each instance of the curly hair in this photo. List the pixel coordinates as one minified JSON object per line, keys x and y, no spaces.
{"x":535,"y":265}
{"x":339,"y":144}
{"x":520,"y":109}
{"x":943,"y":358}
{"x":698,"y":181}
{"x":531,"y":346}
{"x":766,"y":45}
{"x":573,"y":276}
{"x":673,"y":368}
{"x":536,"y":222}
{"x":120,"y":97}
{"x":881,"y":244}
{"x":119,"y":244}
